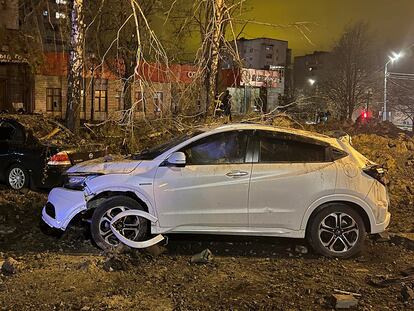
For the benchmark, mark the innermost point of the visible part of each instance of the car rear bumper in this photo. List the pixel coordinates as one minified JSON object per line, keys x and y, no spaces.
{"x":62,"y":206}
{"x":378,"y":228}
{"x":51,"y":177}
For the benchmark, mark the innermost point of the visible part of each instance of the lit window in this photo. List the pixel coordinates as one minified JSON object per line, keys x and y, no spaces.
{"x":60,"y":15}
{"x":61,"y":1}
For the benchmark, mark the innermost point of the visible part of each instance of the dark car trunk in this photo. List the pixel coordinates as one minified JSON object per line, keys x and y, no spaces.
{"x":85,"y":153}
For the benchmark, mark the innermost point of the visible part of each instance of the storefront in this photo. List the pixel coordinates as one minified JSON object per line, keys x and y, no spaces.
{"x":253,"y":89}
{"x":16,"y":84}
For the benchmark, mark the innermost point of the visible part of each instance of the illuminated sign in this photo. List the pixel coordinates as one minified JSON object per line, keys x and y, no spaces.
{"x":7,"y":58}
{"x":261,"y":78}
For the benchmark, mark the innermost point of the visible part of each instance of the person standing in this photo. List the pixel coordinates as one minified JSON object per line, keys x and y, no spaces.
{"x":226,"y":102}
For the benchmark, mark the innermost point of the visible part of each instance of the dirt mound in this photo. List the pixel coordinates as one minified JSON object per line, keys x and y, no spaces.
{"x":397,"y":156}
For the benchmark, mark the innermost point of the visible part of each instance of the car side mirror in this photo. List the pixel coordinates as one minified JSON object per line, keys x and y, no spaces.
{"x":177,"y":159}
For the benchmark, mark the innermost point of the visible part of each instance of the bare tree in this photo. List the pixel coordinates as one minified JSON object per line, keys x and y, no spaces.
{"x":76,"y":64}
{"x":350,"y":71}
{"x":401,"y":98}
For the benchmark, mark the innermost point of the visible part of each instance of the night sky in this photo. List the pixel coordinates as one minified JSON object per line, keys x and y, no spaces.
{"x":392,"y":20}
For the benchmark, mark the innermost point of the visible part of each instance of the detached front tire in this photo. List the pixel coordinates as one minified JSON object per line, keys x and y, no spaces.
{"x":132,"y":227}
{"x":337,"y":231}
{"x":17,"y":177}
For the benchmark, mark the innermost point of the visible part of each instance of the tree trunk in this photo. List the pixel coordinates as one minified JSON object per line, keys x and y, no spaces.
{"x":214,"y":55}
{"x":76,"y":63}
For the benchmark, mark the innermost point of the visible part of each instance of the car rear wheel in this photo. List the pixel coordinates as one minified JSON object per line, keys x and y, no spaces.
{"x":17,"y":177}
{"x":132,"y":227}
{"x":337,"y":231}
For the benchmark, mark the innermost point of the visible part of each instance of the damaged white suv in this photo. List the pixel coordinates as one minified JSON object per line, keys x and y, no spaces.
{"x":239,"y":179}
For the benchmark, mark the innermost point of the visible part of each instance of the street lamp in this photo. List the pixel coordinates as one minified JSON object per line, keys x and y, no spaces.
{"x":311,"y":81}
{"x":392,"y":59}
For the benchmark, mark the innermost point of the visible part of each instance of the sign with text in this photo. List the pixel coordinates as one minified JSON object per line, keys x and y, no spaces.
{"x":7,"y":58}
{"x":261,"y":78}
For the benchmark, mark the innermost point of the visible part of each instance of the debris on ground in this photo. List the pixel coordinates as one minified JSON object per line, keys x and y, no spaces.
{"x":406,"y":239}
{"x":407,"y":293}
{"x":301,"y":249}
{"x":344,"y":301}
{"x":339,"y":291}
{"x":155,"y":250}
{"x":115,"y":264}
{"x":206,"y":256}
{"x":383,"y":237}
{"x":11,"y":266}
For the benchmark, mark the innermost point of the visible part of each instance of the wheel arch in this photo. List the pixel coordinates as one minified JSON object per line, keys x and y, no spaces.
{"x":356,"y":204}
{"x":110,"y":193}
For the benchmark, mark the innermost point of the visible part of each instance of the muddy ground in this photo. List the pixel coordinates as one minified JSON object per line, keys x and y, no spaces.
{"x":70,"y":273}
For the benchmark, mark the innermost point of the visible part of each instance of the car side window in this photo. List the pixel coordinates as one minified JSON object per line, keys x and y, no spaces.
{"x":221,"y":148}
{"x":276,"y":149}
{"x":6,"y":131}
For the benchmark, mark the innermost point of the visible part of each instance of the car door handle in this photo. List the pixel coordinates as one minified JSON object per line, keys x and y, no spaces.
{"x":237,"y":174}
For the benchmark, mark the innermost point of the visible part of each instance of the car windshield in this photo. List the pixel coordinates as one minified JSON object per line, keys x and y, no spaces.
{"x":152,"y":153}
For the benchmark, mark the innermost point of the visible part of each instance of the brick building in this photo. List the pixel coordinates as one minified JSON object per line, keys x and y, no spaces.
{"x":103,"y":92}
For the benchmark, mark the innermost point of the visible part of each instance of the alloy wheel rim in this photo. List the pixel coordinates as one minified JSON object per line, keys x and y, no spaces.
{"x":128,"y":226}
{"x":338,"y":232}
{"x":17,"y":178}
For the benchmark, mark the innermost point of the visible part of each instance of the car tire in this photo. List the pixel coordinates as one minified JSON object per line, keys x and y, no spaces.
{"x":17,"y":177}
{"x":337,"y":231}
{"x":136,"y":228}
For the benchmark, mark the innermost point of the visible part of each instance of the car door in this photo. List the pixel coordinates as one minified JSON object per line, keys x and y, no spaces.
{"x":211,"y":192}
{"x":289,"y":173}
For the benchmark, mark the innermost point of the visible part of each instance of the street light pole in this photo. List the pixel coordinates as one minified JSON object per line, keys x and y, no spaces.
{"x":392,"y":58}
{"x":384,"y":110}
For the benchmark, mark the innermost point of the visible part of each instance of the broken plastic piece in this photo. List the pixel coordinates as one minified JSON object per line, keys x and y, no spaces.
{"x":131,"y":243}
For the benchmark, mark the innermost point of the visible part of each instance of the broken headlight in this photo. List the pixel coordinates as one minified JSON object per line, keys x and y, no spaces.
{"x":377,"y":172}
{"x":77,"y":182}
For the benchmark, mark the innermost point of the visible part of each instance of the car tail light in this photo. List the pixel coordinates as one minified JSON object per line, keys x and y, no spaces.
{"x":60,"y":158}
{"x":377,"y":172}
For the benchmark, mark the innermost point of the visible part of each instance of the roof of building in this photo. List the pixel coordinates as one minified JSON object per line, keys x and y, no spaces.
{"x":261,"y":38}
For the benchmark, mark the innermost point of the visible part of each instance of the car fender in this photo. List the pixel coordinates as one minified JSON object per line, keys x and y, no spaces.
{"x":94,"y":189}
{"x":336,"y":198}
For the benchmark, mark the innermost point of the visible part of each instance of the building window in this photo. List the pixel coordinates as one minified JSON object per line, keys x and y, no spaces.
{"x":119,"y":96}
{"x":269,"y":47}
{"x":251,"y":50}
{"x":140,"y":101}
{"x":269,"y":56}
{"x":54,"y":99}
{"x":101,"y":101}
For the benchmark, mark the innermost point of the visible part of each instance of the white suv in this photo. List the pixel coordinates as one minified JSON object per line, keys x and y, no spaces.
{"x":239,"y":179}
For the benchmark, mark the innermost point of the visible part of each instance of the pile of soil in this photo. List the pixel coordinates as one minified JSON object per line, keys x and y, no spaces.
{"x":397,"y":156}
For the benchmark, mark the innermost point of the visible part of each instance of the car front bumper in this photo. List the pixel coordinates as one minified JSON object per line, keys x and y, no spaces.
{"x":62,"y":206}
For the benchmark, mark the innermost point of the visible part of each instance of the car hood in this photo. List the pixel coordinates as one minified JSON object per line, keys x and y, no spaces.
{"x":105,"y":165}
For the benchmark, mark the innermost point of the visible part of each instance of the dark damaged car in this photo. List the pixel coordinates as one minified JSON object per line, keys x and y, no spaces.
{"x":35,"y":152}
